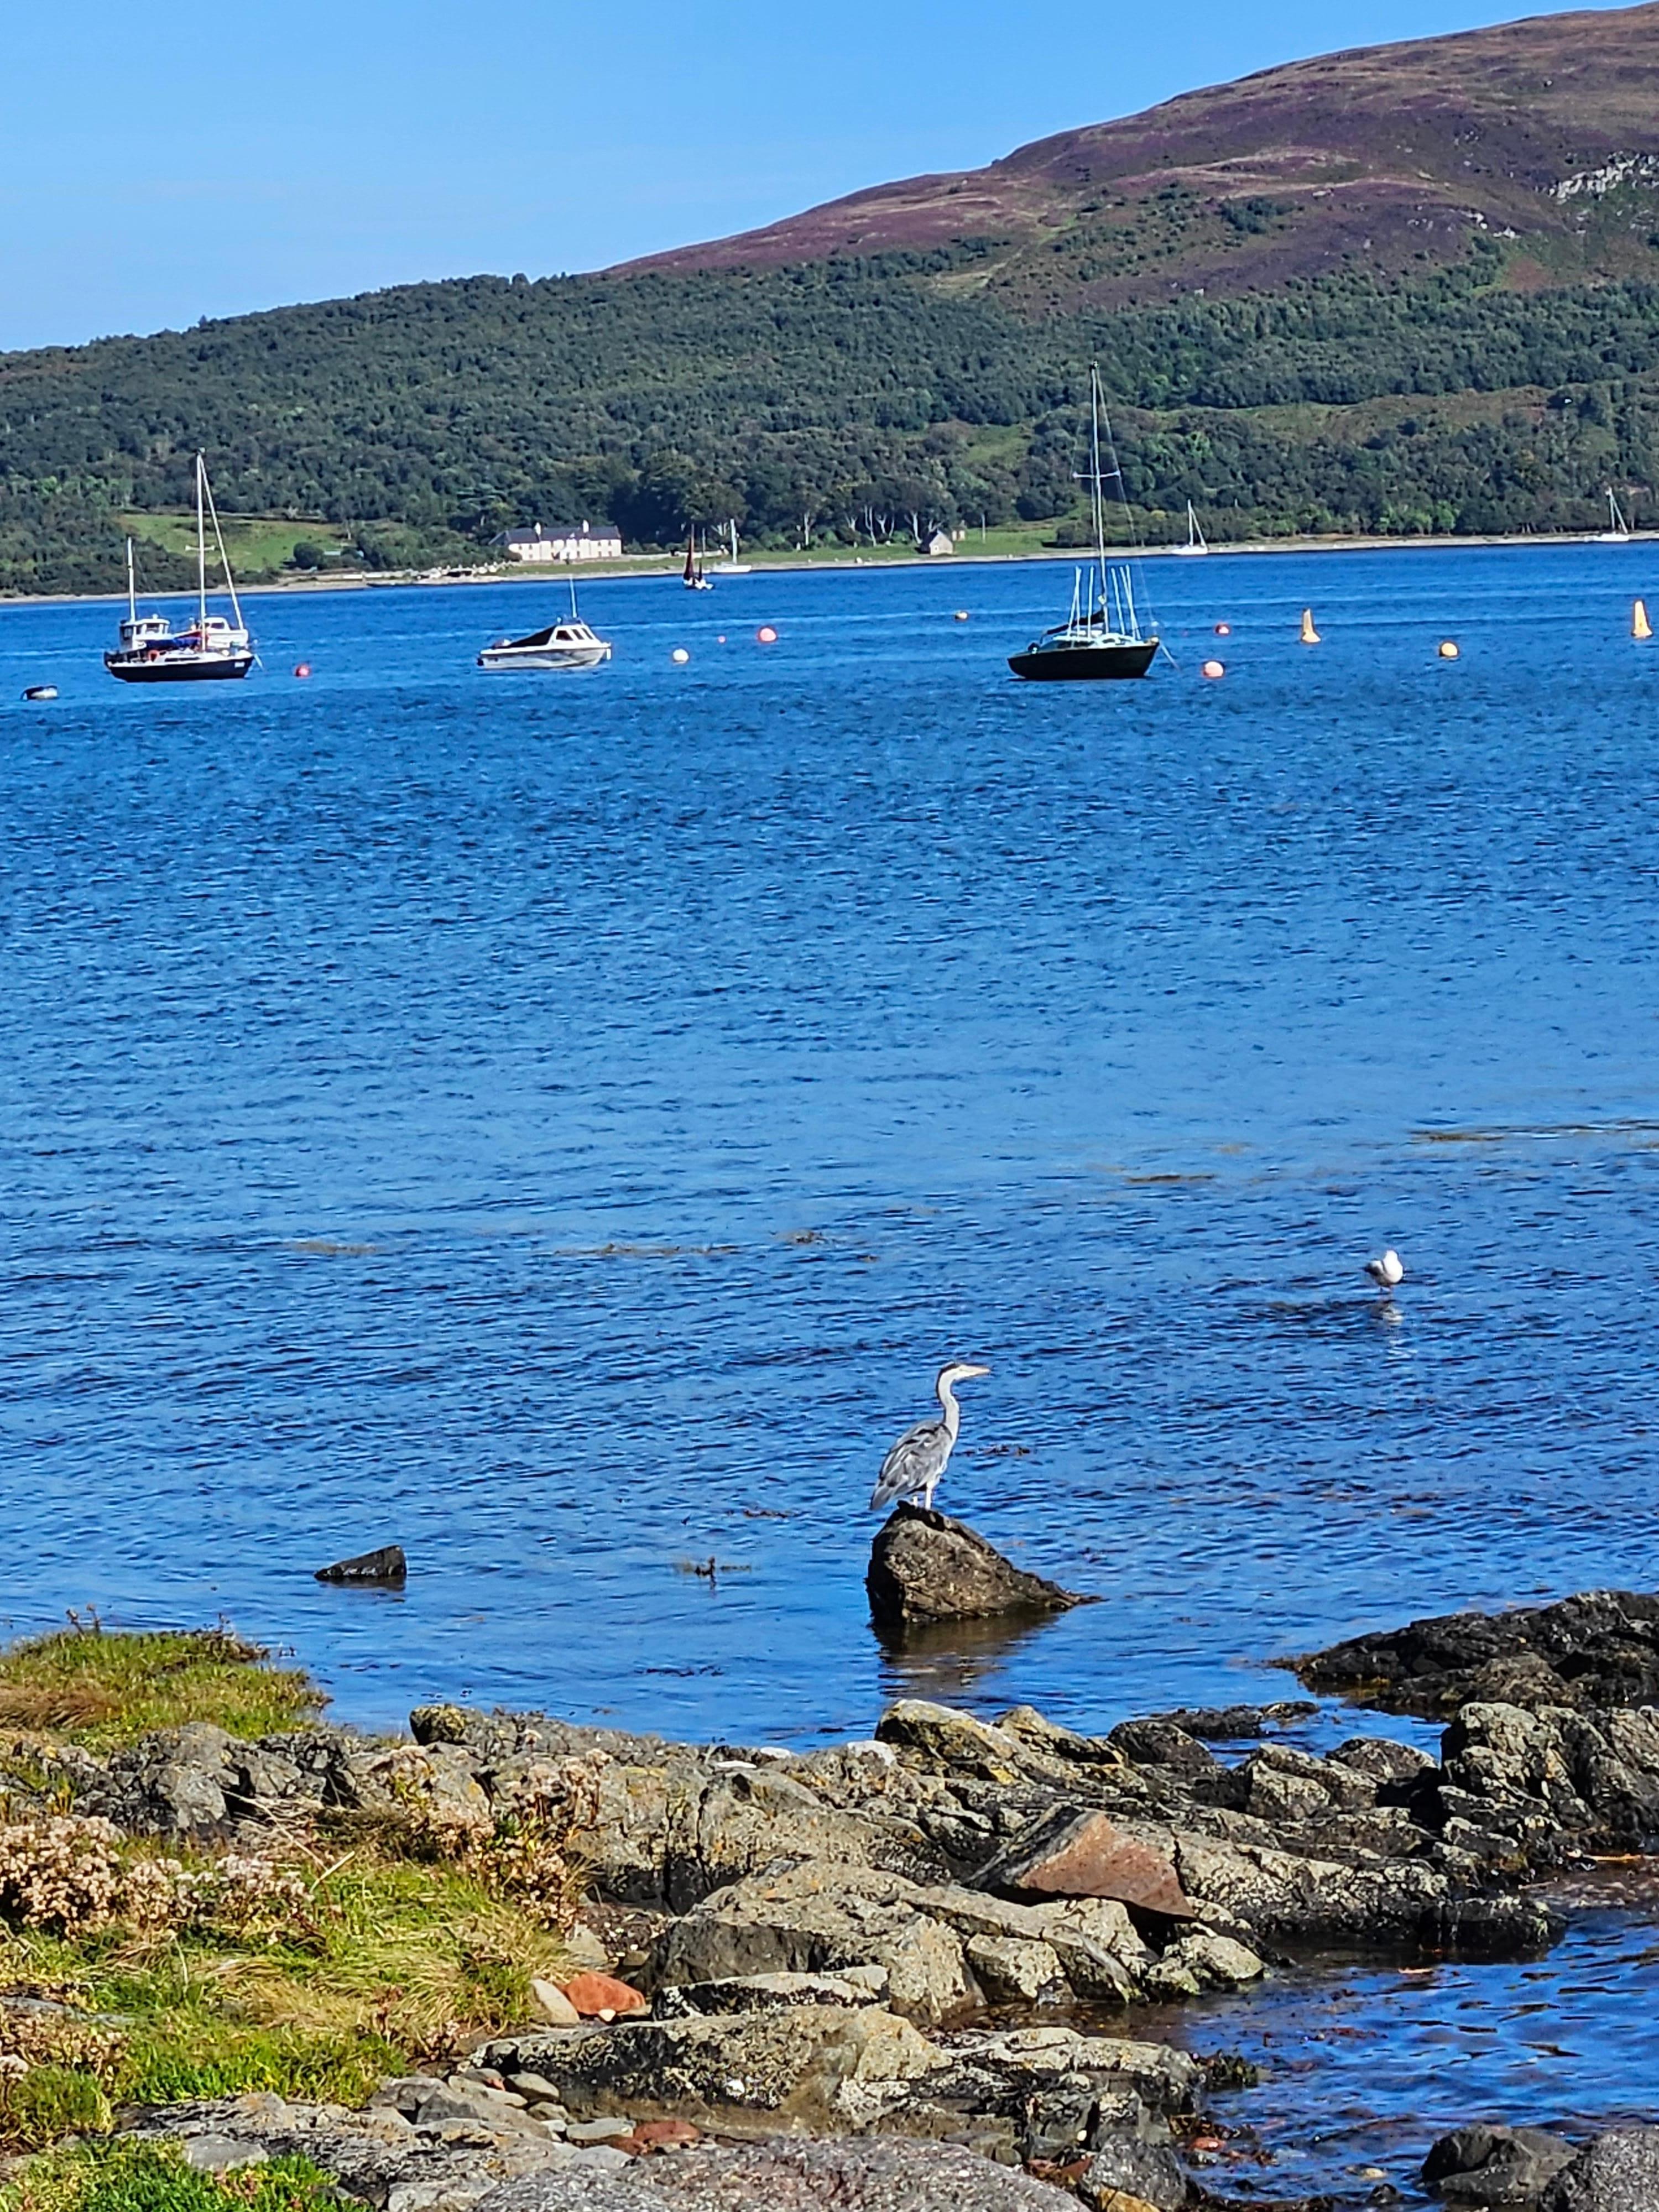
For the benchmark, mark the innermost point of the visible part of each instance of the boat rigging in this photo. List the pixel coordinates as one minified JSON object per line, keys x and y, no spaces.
{"x":152,"y":652}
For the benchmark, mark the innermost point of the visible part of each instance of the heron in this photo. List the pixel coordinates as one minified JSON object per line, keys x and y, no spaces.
{"x":911,"y":1471}
{"x":1387,"y":1272}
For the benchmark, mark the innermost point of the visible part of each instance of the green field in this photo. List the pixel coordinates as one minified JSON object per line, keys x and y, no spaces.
{"x":258,"y":544}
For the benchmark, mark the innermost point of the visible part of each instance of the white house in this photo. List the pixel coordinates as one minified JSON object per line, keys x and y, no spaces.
{"x":588,"y":541}
{"x":940,"y":544}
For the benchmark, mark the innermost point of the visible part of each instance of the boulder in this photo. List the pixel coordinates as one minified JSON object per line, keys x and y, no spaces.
{"x":924,"y":1567}
{"x":819,"y":1918}
{"x":385,"y":1569}
{"x":1495,"y":2167}
{"x":1126,"y":2168}
{"x":870,"y":2175}
{"x":808,"y":2066}
{"x":1618,"y":2172}
{"x":1086,"y":1855}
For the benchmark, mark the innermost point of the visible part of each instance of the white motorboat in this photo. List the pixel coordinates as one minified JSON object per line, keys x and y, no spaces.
{"x":570,"y":644}
{"x":152,"y":652}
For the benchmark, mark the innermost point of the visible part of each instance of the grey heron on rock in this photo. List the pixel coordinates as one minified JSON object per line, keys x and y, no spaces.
{"x":1387,"y":1271}
{"x":912,"y":1469}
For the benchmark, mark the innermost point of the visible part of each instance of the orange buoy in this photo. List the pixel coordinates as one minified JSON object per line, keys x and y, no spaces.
{"x":1223,"y":629}
{"x":1212,"y":669}
{"x":1310,"y":634}
{"x":1639,"y":624}
{"x":302,"y":668}
{"x":1448,"y":649}
{"x":766,"y":634}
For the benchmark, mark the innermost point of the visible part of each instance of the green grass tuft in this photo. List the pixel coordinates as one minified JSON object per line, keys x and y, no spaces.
{"x":103,"y":1688}
{"x":134,"y":2176}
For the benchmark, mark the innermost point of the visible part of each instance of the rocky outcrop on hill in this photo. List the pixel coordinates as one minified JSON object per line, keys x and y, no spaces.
{"x":926,"y":1568}
{"x":1592,"y":1652}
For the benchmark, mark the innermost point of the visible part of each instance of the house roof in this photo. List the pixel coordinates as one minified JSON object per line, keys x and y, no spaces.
{"x":542,"y":530}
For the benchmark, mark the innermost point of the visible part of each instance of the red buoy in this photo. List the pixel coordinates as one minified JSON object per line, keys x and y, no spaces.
{"x":302,"y":668}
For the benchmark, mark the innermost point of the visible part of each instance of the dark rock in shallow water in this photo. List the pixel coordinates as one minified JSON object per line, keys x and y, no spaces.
{"x":1617,"y":2173}
{"x":1496,"y":2166}
{"x":386,"y":1568}
{"x":1594,"y":1652}
{"x":925,"y":1567}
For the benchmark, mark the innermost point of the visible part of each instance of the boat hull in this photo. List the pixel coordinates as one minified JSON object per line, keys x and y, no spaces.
{"x":175,"y":669}
{"x":1083,"y":664}
{"x":555,"y":662}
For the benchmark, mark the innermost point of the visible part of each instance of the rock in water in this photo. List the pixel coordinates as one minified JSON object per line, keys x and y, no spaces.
{"x":387,"y":1567}
{"x":924,"y":1566}
{"x":1618,"y":2172}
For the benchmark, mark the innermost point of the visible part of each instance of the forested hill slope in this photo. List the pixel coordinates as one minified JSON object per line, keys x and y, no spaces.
{"x":865,"y":396}
{"x":1545,"y":131}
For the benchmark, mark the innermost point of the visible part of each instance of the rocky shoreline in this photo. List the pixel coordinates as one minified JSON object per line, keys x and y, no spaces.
{"x":904,"y":1970}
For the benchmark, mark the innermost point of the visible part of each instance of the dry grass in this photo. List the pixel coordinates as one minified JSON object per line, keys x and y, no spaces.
{"x":101,"y":1689}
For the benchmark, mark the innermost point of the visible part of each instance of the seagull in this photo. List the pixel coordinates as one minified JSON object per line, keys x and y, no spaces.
{"x":911,"y":1471}
{"x":1387,"y":1272}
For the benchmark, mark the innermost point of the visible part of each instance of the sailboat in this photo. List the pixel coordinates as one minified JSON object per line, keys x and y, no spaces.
{"x":152,"y":652}
{"x":692,"y":574}
{"x":732,"y":566}
{"x":1196,"y":542}
{"x":1618,"y":530}
{"x":1104,"y":637}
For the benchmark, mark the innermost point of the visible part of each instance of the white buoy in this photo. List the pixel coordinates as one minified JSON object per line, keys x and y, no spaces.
{"x":1213,"y":669}
{"x":679,"y":656}
{"x":1387,"y":1270}
{"x":1448,"y":648}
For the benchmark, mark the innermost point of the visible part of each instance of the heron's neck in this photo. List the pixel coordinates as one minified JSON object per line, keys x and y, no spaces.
{"x":947,"y":1398}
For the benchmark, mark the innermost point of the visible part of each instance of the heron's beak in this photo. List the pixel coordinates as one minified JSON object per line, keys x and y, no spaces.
{"x":976,"y":1371}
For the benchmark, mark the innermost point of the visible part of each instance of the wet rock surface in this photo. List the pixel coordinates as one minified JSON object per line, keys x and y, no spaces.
{"x":925,"y":1568}
{"x":1588,"y":1653}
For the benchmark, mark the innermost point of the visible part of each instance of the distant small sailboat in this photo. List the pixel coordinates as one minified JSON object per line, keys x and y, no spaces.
{"x":1195,"y":539}
{"x":1639,"y":624}
{"x":692,"y":575}
{"x":1618,"y":530}
{"x":732,"y":566}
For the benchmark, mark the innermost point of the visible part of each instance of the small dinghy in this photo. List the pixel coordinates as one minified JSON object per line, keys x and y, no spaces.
{"x":570,"y":644}
{"x":41,"y":691}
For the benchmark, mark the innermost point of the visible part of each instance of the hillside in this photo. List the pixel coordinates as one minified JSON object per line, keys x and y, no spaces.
{"x":1413,"y":289}
{"x":1544,"y":133}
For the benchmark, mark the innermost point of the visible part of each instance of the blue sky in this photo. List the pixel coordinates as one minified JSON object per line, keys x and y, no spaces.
{"x":157,"y":168}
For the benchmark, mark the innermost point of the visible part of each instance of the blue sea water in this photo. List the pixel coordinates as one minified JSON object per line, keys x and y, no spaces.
{"x":561,"y":1123}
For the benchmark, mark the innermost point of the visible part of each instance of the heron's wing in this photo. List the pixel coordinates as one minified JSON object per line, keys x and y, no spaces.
{"x":915,"y":1461}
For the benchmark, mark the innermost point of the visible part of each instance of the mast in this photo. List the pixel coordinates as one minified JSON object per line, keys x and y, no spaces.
{"x":690,"y":573}
{"x":132,"y":588}
{"x":201,"y":551}
{"x":1094,"y":476}
{"x":219,"y":540}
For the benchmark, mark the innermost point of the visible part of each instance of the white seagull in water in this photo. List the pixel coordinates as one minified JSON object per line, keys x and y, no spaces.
{"x":1387,"y":1272}
{"x":912,"y":1469}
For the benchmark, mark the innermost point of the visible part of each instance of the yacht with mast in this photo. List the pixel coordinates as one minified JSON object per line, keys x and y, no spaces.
{"x":692,"y":575}
{"x":1618,"y":530}
{"x":732,"y":566}
{"x":1103,"y":635}
{"x":1195,"y":539}
{"x":152,"y":652}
